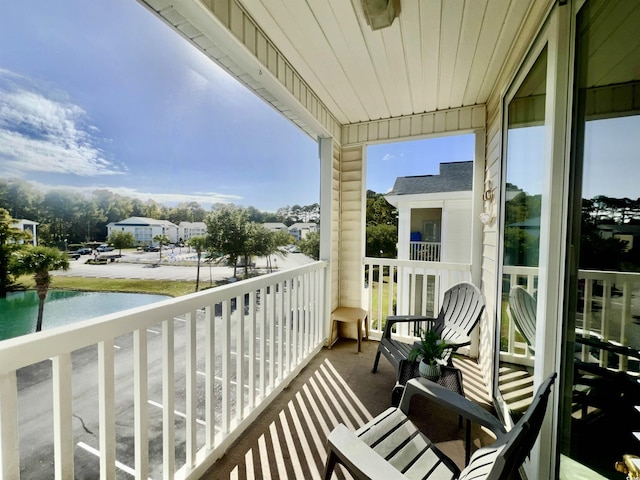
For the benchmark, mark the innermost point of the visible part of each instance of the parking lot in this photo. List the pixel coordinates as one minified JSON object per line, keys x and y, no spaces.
{"x":177,"y":265}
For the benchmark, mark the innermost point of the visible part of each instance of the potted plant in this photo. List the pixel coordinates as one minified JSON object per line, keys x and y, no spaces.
{"x":431,"y":349}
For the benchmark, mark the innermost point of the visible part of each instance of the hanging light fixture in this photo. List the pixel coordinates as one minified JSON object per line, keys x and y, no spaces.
{"x":380,"y":13}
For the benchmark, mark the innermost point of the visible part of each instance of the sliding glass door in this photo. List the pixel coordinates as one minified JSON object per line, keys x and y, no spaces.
{"x":601,"y":401}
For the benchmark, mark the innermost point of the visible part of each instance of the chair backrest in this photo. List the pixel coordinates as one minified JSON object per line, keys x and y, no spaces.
{"x":523,"y":306}
{"x":462,"y":307}
{"x":503,"y":458}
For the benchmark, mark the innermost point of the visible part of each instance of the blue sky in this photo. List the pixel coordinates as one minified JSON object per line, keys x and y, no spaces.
{"x":385,"y":162}
{"x":104,"y":95}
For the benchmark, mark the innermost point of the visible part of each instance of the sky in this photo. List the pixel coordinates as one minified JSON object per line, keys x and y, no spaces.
{"x":105,"y":95}
{"x":385,"y":162}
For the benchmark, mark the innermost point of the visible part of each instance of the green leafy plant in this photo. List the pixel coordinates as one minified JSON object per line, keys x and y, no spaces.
{"x":431,"y":348}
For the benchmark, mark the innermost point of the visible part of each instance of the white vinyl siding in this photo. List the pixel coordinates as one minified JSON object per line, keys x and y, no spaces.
{"x":352,"y":229}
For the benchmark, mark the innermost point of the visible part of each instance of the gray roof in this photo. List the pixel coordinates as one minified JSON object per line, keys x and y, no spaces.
{"x":142,"y":222}
{"x":453,"y":177}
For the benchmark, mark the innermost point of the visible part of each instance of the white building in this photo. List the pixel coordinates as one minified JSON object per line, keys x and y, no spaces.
{"x":27,"y":226}
{"x":186,"y":230}
{"x":434,"y":214}
{"x":300,"y":230}
{"x":276,"y":226}
{"x":145,"y":229}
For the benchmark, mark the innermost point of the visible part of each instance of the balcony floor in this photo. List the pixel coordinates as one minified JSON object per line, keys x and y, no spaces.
{"x":288,"y":440}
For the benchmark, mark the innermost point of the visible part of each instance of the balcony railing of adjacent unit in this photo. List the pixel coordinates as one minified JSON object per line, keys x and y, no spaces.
{"x":608,"y":302}
{"x":405,"y":287}
{"x":424,"y":251}
{"x":156,"y":391}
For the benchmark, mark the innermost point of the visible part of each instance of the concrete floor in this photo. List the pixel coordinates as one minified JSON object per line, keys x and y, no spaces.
{"x":288,"y":440}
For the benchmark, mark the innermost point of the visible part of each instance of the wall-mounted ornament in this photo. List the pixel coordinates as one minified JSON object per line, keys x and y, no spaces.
{"x":488,"y":215}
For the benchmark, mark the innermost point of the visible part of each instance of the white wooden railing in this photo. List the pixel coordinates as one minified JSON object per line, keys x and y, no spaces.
{"x":604,"y":312}
{"x":612,"y":319}
{"x":188,"y":374}
{"x":424,"y":251}
{"x":515,"y":350}
{"x":405,"y":287}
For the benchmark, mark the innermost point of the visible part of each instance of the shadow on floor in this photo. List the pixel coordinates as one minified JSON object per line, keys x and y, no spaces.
{"x":288,"y":440}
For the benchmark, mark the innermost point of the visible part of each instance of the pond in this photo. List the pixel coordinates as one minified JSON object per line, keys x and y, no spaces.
{"x":19,"y":311}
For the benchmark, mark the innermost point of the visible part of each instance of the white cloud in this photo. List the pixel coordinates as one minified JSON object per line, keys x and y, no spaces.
{"x":39,"y":134}
{"x":206,"y":199}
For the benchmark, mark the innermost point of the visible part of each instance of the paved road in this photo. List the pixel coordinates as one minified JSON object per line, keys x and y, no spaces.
{"x":146,"y":266}
{"x":35,"y":388}
{"x":35,"y":415}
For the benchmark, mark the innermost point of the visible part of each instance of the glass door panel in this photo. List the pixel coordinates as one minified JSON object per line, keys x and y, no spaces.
{"x":602,"y":321}
{"x":521,"y":207}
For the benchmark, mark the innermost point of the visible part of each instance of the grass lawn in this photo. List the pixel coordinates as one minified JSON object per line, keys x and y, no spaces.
{"x":162,"y":287}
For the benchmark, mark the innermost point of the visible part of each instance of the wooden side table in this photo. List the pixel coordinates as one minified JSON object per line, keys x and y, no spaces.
{"x":358,"y":316}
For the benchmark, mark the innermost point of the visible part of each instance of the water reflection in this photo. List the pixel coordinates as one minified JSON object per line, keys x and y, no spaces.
{"x":19,"y":310}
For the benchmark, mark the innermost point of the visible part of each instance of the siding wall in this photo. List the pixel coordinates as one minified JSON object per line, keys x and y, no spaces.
{"x":456,"y":231}
{"x":351,"y":228}
{"x":456,"y":120}
{"x":335,"y":228}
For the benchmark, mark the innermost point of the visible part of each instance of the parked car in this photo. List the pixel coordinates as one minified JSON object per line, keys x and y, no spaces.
{"x":73,"y":255}
{"x":151,"y":248}
{"x":84,"y":251}
{"x":105,"y":248}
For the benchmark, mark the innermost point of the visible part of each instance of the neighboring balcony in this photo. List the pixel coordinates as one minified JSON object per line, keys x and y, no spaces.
{"x":424,"y":251}
{"x":608,"y":307}
{"x":164,"y":391}
{"x":606,"y":337}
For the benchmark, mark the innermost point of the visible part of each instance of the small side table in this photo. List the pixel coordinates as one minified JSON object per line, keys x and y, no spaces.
{"x":358,"y":316}
{"x":450,"y":378}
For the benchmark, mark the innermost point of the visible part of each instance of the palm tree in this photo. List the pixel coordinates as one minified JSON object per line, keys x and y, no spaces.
{"x":162,"y":240}
{"x":199,"y":243}
{"x":40,"y":261}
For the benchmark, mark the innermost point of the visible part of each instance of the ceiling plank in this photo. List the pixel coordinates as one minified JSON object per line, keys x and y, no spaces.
{"x":472,"y":20}
{"x":508,"y":31}
{"x":430,"y":20}
{"x":449,"y":49}
{"x":494,"y":17}
{"x":348,"y":44}
{"x":398,"y":89}
{"x":412,"y":47}
{"x":271,"y":23}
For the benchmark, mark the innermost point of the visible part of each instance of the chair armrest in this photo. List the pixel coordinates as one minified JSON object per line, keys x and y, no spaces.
{"x":393,"y":319}
{"x":457,"y":342}
{"x":360,"y":459}
{"x":452,"y":400}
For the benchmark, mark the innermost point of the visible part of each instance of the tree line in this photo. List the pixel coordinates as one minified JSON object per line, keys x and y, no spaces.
{"x":598,"y":251}
{"x":71,"y":217}
{"x":230,"y":233}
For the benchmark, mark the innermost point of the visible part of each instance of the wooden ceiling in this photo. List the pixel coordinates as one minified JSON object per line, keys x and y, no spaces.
{"x":437,"y":55}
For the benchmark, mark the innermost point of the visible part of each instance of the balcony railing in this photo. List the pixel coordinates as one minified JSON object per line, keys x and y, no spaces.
{"x":604,"y":321}
{"x":424,"y":251}
{"x":159,"y":391}
{"x":405,"y":287}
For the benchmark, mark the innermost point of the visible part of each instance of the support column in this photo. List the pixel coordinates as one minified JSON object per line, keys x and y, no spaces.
{"x":477,"y":206}
{"x":327,"y":230}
